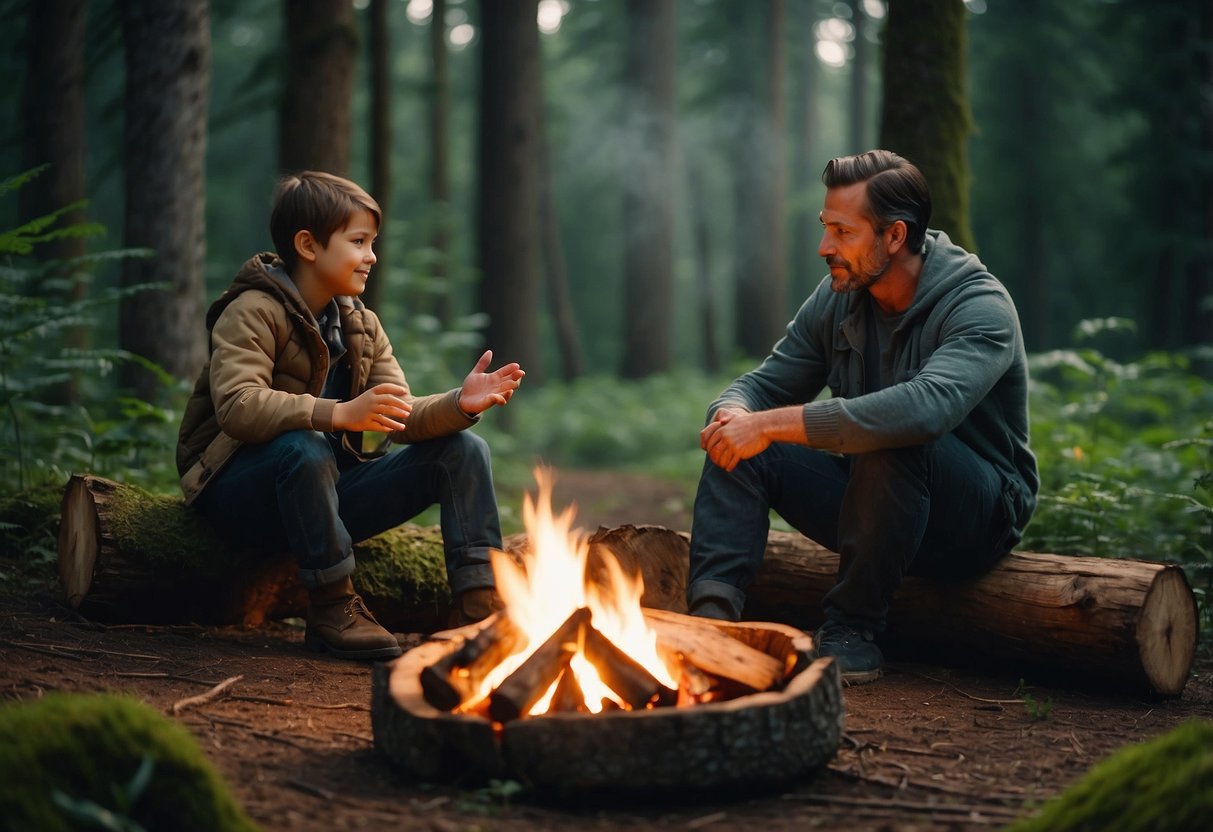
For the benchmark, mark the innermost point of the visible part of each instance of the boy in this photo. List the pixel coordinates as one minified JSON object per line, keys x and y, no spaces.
{"x":270,"y":447}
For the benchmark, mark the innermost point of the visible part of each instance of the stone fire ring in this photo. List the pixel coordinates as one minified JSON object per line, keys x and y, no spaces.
{"x":758,"y":740}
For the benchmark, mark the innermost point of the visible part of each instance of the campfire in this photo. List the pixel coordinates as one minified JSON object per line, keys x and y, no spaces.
{"x":569,"y":643}
{"x":575,"y":660}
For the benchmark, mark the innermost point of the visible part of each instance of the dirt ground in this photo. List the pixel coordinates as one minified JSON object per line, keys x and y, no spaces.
{"x":925,"y":748}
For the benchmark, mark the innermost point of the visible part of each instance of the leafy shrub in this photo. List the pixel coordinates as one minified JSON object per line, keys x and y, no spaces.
{"x":46,"y":435}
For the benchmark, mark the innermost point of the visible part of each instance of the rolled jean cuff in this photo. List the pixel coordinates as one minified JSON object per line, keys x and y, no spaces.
{"x":472,"y":576}
{"x":313,"y":578}
{"x":729,"y":595}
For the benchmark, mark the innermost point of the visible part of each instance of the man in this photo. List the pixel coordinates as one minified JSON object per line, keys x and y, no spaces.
{"x":918,"y":461}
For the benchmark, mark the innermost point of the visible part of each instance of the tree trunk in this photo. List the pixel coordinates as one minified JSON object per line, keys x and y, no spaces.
{"x":314,"y":123}
{"x":381,"y":144}
{"x":702,"y":234}
{"x":761,"y":261}
{"x":508,"y":218}
{"x":925,"y":114}
{"x":806,"y":230}
{"x":168,"y":67}
{"x":126,"y":555}
{"x":53,"y":110}
{"x":561,"y":303}
{"x":648,"y":202}
{"x":440,"y":190}
{"x":859,"y":79}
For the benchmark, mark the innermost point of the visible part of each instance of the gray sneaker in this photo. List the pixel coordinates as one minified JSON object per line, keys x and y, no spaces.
{"x":859,"y":659}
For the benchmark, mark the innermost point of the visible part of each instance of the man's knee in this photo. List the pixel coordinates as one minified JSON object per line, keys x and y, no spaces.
{"x":886,"y":463}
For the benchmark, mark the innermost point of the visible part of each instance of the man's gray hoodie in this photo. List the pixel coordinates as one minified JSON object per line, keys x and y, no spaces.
{"x":959,"y":366}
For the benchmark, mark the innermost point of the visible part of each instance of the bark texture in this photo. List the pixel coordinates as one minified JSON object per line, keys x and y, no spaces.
{"x":648,"y":201}
{"x":314,"y":127}
{"x":509,"y":151}
{"x":925,"y":113}
{"x":168,"y":70}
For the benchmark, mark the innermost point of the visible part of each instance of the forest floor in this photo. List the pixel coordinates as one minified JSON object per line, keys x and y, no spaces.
{"x":924,"y":748}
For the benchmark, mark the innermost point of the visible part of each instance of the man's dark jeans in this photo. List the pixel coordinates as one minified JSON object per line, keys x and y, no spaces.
{"x":935,"y":509}
{"x":290,"y":494}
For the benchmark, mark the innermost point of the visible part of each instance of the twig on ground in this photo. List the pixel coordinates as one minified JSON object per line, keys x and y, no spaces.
{"x":354,"y":706}
{"x":34,"y":648}
{"x":264,"y":700}
{"x":1002,"y":813}
{"x":308,"y":788}
{"x":965,"y":694}
{"x":202,"y":698}
{"x":362,"y":737}
{"x":285,"y":740}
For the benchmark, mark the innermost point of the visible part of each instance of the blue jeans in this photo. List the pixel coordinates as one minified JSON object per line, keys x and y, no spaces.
{"x":935,"y":509}
{"x":294,"y":492}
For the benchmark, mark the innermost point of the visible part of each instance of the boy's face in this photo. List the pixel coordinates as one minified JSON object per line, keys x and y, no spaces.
{"x":344,"y":264}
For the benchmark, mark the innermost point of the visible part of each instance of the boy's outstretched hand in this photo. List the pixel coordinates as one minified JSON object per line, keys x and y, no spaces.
{"x":482,"y":390}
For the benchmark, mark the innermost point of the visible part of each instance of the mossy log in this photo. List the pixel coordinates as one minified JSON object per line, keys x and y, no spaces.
{"x":126,"y":554}
{"x":1127,"y":625}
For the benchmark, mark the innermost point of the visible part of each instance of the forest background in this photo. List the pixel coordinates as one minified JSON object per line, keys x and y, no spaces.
{"x":623,"y":197}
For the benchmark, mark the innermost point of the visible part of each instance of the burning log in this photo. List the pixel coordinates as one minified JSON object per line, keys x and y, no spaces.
{"x":693,"y":684}
{"x":623,"y":674}
{"x":568,"y":696}
{"x":714,"y":651}
{"x":519,"y":692}
{"x":453,"y":679}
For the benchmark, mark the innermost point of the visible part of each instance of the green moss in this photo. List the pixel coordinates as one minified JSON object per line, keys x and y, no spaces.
{"x":164,"y":532}
{"x":406,"y":558}
{"x":1164,"y":784}
{"x":89,"y":748}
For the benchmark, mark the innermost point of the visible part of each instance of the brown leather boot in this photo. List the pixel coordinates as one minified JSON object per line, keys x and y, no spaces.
{"x":474,"y":605}
{"x":339,"y":622}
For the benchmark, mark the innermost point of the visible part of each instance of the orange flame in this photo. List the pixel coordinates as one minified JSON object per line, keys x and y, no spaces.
{"x":553,"y":586}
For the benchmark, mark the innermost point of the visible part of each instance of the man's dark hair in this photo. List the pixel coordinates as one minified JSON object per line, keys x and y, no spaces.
{"x":897,"y":190}
{"x":317,"y":202}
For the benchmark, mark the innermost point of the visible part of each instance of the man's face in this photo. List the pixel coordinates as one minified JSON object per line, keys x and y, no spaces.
{"x":852,"y":248}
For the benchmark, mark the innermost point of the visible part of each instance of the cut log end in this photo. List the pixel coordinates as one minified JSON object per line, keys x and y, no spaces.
{"x":1166,"y":631}
{"x":79,"y":541}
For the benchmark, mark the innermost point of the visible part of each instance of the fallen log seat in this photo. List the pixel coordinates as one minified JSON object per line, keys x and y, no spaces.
{"x":127,"y":555}
{"x":1128,"y":625}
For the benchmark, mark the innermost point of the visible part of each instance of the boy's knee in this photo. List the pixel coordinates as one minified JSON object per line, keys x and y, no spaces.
{"x":469,"y":446}
{"x":305,"y":449}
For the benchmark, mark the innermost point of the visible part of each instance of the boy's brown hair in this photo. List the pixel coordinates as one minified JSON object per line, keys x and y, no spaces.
{"x":317,"y":202}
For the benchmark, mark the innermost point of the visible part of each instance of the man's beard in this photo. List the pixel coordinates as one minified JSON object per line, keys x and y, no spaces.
{"x":871,"y":268}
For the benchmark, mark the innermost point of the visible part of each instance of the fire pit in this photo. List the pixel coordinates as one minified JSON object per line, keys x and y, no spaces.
{"x":576,"y":687}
